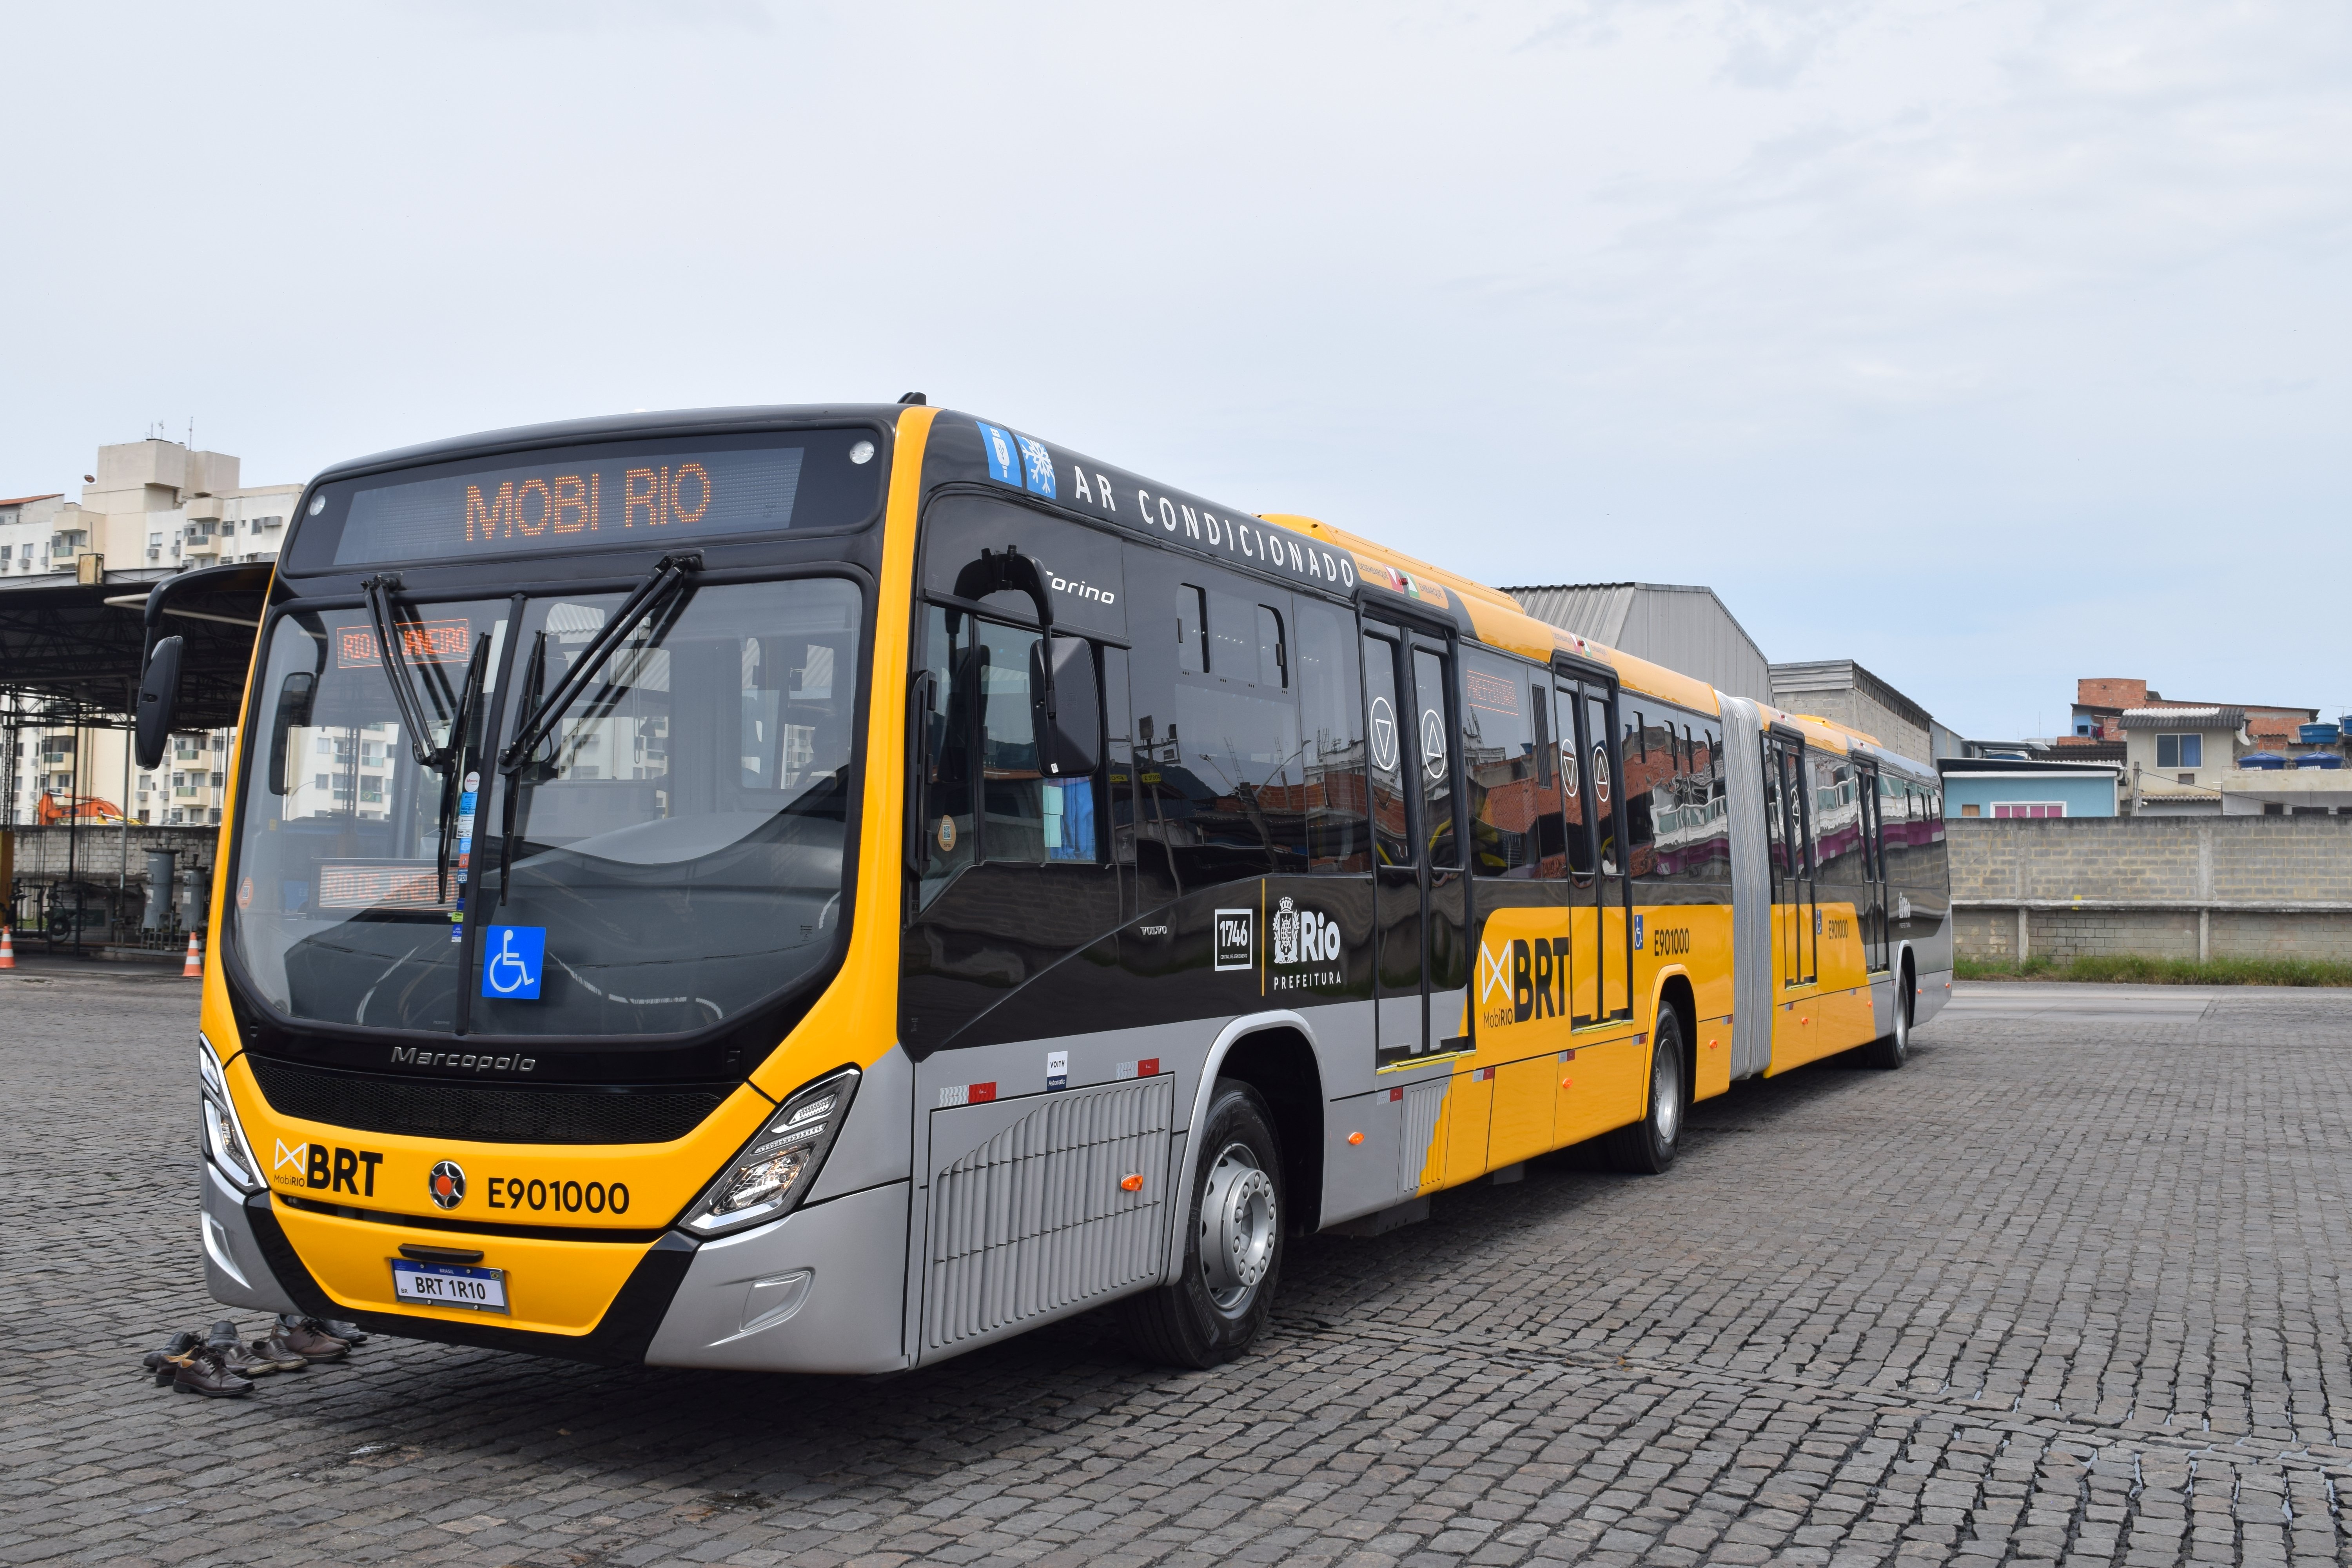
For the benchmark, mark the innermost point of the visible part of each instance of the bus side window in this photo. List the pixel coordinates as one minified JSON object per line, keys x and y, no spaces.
{"x":1272,"y":657}
{"x":1498,"y":746}
{"x":1649,"y":783}
{"x":1574,"y":788}
{"x":1191,"y":629}
{"x":1331,"y":726}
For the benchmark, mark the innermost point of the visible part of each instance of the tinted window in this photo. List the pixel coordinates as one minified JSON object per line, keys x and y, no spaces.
{"x":1221,"y":770}
{"x":1331,"y":726}
{"x":1498,"y":759}
{"x":1391,"y":825}
{"x":1689,"y":816}
{"x":1082,"y":566}
{"x":1435,"y":731}
{"x":986,"y":797}
{"x":1837,"y":819}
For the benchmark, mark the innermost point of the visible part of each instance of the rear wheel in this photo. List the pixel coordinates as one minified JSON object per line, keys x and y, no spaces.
{"x":1233,"y":1246}
{"x":1650,"y":1145}
{"x":1890,"y":1051}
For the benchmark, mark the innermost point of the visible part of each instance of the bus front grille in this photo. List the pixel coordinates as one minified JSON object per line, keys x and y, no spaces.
{"x":482,"y":1114}
{"x":1035,"y":1220}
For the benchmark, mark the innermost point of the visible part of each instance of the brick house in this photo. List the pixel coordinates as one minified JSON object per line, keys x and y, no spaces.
{"x":2101,"y":702}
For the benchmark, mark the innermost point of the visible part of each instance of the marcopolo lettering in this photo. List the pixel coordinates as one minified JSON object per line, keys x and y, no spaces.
{"x":460,"y":1061}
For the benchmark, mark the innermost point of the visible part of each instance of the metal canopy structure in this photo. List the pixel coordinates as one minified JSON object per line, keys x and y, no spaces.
{"x":70,"y":653}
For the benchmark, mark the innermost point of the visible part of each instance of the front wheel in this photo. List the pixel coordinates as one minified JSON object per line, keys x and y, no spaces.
{"x":1892,"y":1051}
{"x":1650,"y":1145}
{"x":1233,"y":1245}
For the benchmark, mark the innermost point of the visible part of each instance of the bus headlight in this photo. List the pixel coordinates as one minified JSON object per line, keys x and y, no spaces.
{"x":776,"y":1169}
{"x":223,"y":1137}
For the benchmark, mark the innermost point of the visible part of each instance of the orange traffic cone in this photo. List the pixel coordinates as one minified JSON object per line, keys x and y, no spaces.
{"x":8,"y":950}
{"x":194,"y":969}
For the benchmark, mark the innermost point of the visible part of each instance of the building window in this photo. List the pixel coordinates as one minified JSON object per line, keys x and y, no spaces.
{"x":2034,"y":808}
{"x":2180,"y":751}
{"x":1971,"y":809}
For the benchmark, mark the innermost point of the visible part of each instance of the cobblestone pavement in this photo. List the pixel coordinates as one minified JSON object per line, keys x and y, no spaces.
{"x":2065,"y":1289}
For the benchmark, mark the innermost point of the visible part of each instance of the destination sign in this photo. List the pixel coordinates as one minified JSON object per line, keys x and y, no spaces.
{"x":433,"y":642}
{"x":570,"y":497}
{"x":402,"y":884}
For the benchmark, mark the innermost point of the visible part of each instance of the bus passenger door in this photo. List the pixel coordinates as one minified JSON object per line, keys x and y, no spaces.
{"x":1421,"y":966}
{"x":1793,"y":907}
{"x":1613,"y":886}
{"x":1874,"y":850}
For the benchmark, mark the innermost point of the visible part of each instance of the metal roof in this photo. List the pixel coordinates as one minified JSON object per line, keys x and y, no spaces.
{"x":2184,"y":718}
{"x":1683,"y":626}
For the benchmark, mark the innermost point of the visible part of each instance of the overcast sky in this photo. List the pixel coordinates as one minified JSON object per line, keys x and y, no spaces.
{"x":1990,"y":344}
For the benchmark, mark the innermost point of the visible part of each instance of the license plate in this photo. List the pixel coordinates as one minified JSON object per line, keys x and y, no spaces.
{"x":449,"y":1285}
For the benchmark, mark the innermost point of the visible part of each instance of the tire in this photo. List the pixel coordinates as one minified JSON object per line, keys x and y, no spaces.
{"x":1232,"y":1242}
{"x":1889,"y":1052}
{"x":1649,"y":1146}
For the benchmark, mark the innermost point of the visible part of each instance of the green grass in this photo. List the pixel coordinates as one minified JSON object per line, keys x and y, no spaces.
{"x":2129,"y":971}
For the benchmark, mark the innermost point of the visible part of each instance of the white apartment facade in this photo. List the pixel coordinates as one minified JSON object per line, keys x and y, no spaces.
{"x":149,"y":504}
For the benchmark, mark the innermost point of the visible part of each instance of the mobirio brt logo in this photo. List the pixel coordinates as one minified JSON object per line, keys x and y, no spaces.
{"x":1521,"y":978}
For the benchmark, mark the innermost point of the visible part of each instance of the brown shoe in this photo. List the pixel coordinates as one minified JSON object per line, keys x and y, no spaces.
{"x":281,"y":1356}
{"x":309,"y":1342}
{"x":203,"y":1371}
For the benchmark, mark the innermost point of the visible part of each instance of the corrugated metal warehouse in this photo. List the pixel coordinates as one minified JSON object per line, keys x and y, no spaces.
{"x":1684,"y":628}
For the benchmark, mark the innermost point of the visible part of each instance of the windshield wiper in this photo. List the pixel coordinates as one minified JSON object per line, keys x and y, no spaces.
{"x":379,"y":589}
{"x":451,"y":791}
{"x":668,"y":575}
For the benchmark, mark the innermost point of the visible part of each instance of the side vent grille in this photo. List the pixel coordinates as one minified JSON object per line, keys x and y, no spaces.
{"x":1424,"y":1103}
{"x":1035,"y":1220}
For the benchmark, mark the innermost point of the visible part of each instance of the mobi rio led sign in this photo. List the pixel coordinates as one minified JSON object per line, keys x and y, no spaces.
{"x":578,"y":496}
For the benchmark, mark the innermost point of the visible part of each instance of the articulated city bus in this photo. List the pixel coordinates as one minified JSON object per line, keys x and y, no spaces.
{"x":821,"y":890}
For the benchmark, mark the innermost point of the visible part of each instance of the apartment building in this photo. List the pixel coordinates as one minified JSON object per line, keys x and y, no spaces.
{"x":149,"y":505}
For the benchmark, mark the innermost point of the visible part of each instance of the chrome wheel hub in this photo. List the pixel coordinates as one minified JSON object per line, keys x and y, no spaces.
{"x":1237,"y":1227}
{"x":1667,"y":1095}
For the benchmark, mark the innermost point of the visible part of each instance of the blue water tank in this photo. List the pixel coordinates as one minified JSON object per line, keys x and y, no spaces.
{"x":2318,"y":734}
{"x":2319,"y":759}
{"x":2261,"y":762}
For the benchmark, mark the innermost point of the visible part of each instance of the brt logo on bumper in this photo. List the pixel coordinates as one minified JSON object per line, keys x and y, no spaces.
{"x":322,"y":1166}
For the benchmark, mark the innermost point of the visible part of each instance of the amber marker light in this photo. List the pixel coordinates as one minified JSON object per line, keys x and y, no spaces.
{"x":1132,"y":1184}
{"x":1355,"y":1137}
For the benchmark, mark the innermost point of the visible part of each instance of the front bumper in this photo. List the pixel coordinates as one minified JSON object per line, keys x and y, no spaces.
{"x":820,"y":1291}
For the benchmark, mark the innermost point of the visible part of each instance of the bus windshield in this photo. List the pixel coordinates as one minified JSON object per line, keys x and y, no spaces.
{"x":668,"y":857}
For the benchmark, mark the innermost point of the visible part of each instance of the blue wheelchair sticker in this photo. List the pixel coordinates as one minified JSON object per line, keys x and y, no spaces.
{"x":512,"y":957}
{"x":1637,"y":934}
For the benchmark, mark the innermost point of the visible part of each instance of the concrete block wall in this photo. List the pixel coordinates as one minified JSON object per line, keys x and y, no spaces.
{"x":2211,"y":860}
{"x":2251,"y":857}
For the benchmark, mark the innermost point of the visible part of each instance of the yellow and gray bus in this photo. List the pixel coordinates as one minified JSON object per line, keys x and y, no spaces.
{"x":823,"y":888}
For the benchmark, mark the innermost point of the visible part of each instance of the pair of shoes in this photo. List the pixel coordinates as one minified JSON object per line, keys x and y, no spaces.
{"x":179,"y":1344}
{"x":301,"y":1336}
{"x":238,"y":1357}
{"x":197,"y":1368}
{"x":349,"y":1333}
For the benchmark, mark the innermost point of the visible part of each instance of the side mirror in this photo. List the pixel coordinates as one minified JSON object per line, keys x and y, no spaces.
{"x":294,"y":699}
{"x":1066,"y":709}
{"x":158,"y":700}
